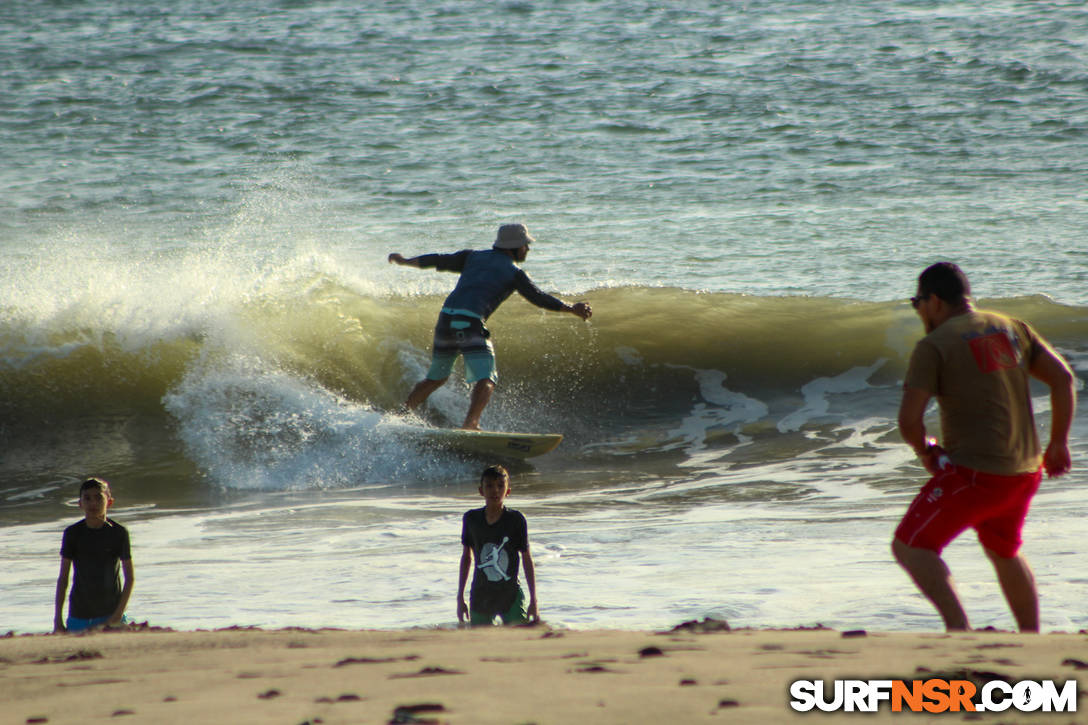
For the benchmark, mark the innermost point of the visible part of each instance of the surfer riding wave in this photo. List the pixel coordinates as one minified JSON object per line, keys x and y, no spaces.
{"x":488,"y":277}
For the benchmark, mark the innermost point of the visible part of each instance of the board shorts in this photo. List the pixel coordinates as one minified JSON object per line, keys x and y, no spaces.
{"x":959,"y":498}
{"x":461,"y":334}
{"x":518,"y":613}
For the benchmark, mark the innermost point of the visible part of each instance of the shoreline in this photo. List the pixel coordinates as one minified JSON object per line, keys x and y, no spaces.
{"x":696,"y":672}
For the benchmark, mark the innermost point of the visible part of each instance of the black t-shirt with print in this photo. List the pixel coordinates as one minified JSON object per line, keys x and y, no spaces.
{"x":496,"y":551}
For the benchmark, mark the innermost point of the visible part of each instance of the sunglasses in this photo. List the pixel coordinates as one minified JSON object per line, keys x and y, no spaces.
{"x":916,"y":301}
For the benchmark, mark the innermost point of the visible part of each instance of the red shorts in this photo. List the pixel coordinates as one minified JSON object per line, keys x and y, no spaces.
{"x":959,"y":498}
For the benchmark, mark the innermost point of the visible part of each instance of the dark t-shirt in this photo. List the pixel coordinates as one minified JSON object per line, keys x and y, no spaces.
{"x":496,"y":553}
{"x":96,"y":555}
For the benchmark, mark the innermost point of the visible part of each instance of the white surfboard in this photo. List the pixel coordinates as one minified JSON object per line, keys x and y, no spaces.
{"x":494,"y":443}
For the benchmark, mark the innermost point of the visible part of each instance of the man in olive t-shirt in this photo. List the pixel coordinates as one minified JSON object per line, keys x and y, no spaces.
{"x":987,"y":467}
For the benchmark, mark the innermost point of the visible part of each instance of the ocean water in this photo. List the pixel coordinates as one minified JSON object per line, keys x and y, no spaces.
{"x":198,"y":199}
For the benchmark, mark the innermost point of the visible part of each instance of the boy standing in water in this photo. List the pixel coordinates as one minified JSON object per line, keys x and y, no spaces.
{"x":99,"y":547}
{"x":495,"y":536}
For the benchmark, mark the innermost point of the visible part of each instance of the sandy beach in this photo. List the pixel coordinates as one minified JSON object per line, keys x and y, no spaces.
{"x":501,"y":675}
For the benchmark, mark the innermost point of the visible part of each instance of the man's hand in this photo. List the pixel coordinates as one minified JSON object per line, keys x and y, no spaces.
{"x":934,"y":458}
{"x":582,"y":309}
{"x":1056,"y":460}
{"x":1052,"y":369}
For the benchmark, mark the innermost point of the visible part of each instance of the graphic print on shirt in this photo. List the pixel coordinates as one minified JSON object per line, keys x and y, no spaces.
{"x":494,"y":560}
{"x":995,"y":351}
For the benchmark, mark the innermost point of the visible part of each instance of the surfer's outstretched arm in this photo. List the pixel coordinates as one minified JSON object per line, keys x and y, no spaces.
{"x":538,"y":297}
{"x":442,"y":262}
{"x":398,"y":258}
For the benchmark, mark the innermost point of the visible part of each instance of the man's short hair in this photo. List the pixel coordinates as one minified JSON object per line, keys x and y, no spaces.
{"x":494,"y":472}
{"x":94,"y":482}
{"x":945,"y":280}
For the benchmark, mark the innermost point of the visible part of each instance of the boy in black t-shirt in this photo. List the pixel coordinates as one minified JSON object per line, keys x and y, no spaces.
{"x":98,"y":547}
{"x":495,"y":537}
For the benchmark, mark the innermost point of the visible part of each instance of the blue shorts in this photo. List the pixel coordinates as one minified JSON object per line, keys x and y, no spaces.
{"x":76,"y":624}
{"x":466,"y":336}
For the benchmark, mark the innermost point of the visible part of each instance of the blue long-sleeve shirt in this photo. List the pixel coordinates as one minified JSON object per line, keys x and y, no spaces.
{"x":488,"y":277}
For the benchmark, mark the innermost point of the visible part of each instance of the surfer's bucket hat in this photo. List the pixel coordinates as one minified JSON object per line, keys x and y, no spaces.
{"x":512,"y":236}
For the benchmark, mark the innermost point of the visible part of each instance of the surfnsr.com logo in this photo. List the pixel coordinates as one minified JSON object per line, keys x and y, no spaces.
{"x":933,"y":696}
